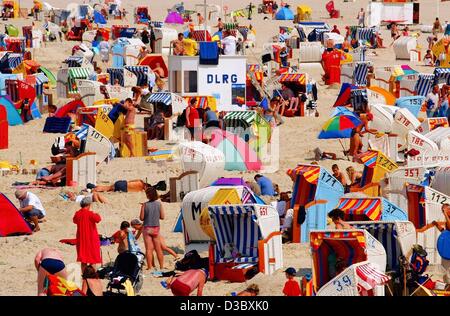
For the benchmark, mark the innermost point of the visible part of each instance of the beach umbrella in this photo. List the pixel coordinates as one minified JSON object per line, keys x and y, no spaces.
{"x":339,"y":126}
{"x":174,"y":18}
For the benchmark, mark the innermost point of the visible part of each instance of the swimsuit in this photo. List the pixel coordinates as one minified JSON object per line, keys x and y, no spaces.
{"x":129,"y":129}
{"x":52,"y":266}
{"x":153,"y":231}
{"x":121,"y":186}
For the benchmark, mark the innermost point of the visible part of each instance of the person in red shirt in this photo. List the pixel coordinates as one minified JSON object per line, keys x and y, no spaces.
{"x":88,"y":242}
{"x":335,"y":30}
{"x":192,"y":118}
{"x":291,"y":287}
{"x":331,"y":63}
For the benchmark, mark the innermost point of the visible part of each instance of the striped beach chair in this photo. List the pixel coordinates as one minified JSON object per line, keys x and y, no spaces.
{"x":141,"y":73}
{"x":358,"y":98}
{"x":424,"y":84}
{"x":360,"y":73}
{"x":442,"y":75}
{"x":116,"y":74}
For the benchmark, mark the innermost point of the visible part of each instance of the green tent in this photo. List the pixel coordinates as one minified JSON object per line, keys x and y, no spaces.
{"x":50,"y":76}
{"x":12,"y":30}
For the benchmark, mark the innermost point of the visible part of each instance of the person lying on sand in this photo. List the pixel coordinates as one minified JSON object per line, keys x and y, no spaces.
{"x":187,"y":282}
{"x":251,"y":290}
{"x":48,"y":261}
{"x":121,"y":186}
{"x":95,"y":196}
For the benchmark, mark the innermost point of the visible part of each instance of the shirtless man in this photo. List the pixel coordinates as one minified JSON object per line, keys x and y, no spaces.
{"x":129,"y":125}
{"x":337,"y":216}
{"x":121,"y":186}
{"x":177,"y":45}
{"x":355,"y":140}
{"x":338,"y":174}
{"x":159,"y":71}
{"x":48,"y":261}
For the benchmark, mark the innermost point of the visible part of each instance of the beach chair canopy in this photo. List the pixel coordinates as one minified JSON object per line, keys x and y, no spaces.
{"x":355,"y":208}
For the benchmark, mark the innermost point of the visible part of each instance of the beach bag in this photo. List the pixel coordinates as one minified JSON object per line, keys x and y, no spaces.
{"x":419,"y":262}
{"x":191,"y":260}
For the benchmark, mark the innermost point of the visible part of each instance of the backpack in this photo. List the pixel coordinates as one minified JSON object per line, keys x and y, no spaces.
{"x":419,"y":262}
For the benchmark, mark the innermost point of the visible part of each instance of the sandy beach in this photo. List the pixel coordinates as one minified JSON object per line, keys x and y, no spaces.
{"x":298,"y":138}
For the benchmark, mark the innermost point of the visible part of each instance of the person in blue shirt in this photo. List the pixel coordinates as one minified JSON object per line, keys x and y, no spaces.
{"x":266,"y":185}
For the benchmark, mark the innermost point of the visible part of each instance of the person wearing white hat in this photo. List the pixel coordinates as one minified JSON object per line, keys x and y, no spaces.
{"x":31,"y":207}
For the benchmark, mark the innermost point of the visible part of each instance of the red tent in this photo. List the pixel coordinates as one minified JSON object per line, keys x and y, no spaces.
{"x":11,"y":221}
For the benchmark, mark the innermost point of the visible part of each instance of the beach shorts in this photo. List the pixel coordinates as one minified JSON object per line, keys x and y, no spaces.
{"x":121,"y":186}
{"x":180,"y":289}
{"x":153,"y":231}
{"x":32,"y":213}
{"x":44,"y":172}
{"x":52,"y":266}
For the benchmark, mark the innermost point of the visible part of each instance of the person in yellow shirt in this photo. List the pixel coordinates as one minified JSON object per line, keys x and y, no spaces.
{"x":190,"y":46}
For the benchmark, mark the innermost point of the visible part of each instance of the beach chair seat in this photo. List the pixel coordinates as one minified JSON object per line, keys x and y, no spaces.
{"x":224,"y":260}
{"x":246,"y":260}
{"x":244,"y":266}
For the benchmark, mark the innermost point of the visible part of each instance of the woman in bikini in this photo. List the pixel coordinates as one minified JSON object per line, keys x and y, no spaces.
{"x":48,"y":261}
{"x":92,"y":285}
{"x":152,"y":212}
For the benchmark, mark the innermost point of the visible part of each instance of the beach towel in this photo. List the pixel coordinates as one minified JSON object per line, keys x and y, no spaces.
{"x":209,"y":53}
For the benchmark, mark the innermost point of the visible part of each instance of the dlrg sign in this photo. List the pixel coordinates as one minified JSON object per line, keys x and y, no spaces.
{"x":221,"y":79}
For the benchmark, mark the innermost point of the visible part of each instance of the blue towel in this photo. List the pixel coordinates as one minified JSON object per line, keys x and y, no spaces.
{"x":209,"y":53}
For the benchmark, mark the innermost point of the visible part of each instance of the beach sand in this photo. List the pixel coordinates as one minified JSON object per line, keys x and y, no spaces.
{"x":298,"y":139}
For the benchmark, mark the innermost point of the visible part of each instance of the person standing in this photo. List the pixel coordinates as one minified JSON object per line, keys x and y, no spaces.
{"x":331,"y":64}
{"x":48,"y":261}
{"x":229,"y":44}
{"x":190,"y":45}
{"x":88,"y":241}
{"x":437,"y":27}
{"x":250,"y":11}
{"x":192,"y":118}
{"x":361,"y":18}
{"x":201,"y":19}
{"x":152,"y":212}
{"x":129,"y":125}
{"x":291,"y":287}
{"x":432,"y":101}
{"x":31,"y":208}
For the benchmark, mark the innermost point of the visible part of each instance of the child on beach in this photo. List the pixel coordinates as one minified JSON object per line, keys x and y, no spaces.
{"x":291,"y":287}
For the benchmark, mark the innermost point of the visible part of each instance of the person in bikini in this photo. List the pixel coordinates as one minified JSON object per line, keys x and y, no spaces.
{"x":121,"y":186}
{"x":129,"y":125}
{"x":48,"y":261}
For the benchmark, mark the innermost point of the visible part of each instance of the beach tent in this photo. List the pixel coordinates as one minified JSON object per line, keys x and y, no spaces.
{"x":197,"y":230}
{"x":4,"y":128}
{"x":284,"y":13}
{"x":174,"y":18}
{"x":11,"y":221}
{"x":397,"y":238}
{"x":250,"y":126}
{"x":206,"y":160}
{"x":350,"y":247}
{"x":376,"y":166}
{"x":252,"y":231}
{"x":11,"y":111}
{"x":316,"y":192}
{"x":371,"y":209}
{"x":424,"y":207}
{"x":239,"y":155}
